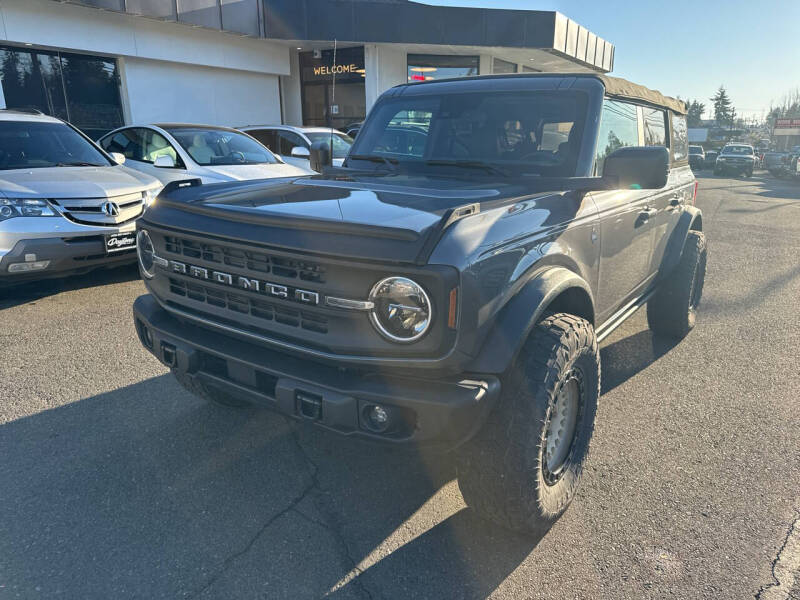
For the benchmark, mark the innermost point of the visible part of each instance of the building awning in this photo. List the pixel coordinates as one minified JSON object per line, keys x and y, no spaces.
{"x":411,"y":23}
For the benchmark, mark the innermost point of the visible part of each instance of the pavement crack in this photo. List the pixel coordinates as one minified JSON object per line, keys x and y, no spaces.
{"x":334,"y":531}
{"x":230,"y":560}
{"x":785,"y":567}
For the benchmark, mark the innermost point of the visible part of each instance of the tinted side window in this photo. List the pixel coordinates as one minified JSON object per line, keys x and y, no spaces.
{"x":680,"y":138}
{"x":128,"y":142}
{"x":266,"y":137}
{"x":288,"y":140}
{"x":655,"y":130}
{"x":618,"y":127}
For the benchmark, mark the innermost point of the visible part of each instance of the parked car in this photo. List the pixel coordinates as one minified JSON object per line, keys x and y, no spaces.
{"x":710,"y":159}
{"x":65,"y":205}
{"x":353,"y":129}
{"x":697,"y":158}
{"x":293,"y":144}
{"x":774,"y":162}
{"x":178,"y":151}
{"x":451,"y":293}
{"x":738,"y":159}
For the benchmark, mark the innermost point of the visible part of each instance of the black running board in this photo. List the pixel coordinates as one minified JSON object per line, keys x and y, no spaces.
{"x":619,"y":317}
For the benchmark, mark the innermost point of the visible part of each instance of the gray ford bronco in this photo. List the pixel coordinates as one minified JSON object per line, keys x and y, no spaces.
{"x":449,"y":284}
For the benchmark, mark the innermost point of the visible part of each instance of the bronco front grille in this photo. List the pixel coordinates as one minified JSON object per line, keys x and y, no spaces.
{"x":250,"y":260}
{"x":245,"y":305}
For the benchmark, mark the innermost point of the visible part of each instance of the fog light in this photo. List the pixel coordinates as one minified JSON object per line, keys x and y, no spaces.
{"x":377,"y":417}
{"x":28,"y":266}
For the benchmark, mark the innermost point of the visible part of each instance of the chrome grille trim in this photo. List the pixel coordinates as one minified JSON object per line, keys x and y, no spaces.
{"x":89,"y":211}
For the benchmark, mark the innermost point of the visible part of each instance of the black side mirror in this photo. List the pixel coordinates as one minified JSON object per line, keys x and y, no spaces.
{"x":638,"y":167}
{"x":320,"y":156}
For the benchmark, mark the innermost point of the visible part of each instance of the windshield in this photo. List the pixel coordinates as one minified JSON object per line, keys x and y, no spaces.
{"x":737,"y":150}
{"x":341,"y":142}
{"x":31,"y":145}
{"x":531,"y":133}
{"x":209,"y":147}
{"x":695,"y":150}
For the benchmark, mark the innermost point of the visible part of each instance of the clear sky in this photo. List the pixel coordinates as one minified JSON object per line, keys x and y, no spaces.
{"x":688,"y":48}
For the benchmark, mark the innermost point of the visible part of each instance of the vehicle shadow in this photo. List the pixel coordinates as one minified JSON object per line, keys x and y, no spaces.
{"x":625,"y":358}
{"x":146,"y":491}
{"x":36,"y":290}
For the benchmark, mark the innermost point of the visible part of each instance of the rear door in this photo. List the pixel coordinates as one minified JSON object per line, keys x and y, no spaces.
{"x":625,"y":223}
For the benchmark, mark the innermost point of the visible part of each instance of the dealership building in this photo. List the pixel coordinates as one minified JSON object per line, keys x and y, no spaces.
{"x":104,"y":63}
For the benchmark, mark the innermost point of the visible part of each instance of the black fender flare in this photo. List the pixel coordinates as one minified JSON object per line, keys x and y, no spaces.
{"x":521,"y":313}
{"x":691,"y":218}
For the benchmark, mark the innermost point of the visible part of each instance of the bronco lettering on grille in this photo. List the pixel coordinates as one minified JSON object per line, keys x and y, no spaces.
{"x":253,"y":285}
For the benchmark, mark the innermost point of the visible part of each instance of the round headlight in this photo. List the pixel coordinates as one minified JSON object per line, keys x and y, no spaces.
{"x":402,"y":311}
{"x":146,"y":252}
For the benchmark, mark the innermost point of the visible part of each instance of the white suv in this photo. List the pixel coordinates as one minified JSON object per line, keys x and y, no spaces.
{"x":65,"y":205}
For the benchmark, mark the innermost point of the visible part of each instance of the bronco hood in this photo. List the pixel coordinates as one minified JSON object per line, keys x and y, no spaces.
{"x":387,"y":219}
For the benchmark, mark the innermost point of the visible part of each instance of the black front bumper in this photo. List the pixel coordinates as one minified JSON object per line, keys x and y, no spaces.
{"x":67,"y":256}
{"x":446,"y":410}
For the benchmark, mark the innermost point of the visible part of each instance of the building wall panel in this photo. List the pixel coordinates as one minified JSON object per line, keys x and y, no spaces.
{"x":164,"y":91}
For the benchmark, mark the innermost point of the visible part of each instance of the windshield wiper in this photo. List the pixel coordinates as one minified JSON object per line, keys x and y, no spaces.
{"x":376,"y":158}
{"x":468,"y":164}
{"x":77,"y":163}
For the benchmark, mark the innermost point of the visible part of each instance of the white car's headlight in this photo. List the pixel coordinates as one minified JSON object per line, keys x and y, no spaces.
{"x":402,"y":311}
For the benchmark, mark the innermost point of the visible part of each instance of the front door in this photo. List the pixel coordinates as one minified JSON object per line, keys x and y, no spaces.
{"x":626,"y":217}
{"x":626,"y":236}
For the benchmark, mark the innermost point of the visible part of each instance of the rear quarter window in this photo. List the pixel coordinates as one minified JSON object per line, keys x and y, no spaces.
{"x":655,"y":127}
{"x":680,"y":138}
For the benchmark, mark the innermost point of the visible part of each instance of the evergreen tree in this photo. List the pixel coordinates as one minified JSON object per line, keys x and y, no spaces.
{"x":695,"y":110}
{"x":723,"y":107}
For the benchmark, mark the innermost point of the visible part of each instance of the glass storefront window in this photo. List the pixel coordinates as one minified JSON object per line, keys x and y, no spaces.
{"x":83,"y":90}
{"x":424,"y":67}
{"x":328,"y":105}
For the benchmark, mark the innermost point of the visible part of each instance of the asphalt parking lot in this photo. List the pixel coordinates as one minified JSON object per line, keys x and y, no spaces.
{"x":116,"y":483}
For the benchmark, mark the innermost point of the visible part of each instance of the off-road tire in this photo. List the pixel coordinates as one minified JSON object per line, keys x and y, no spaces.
{"x":672,"y":311}
{"x":205,"y":392}
{"x":502,"y":471}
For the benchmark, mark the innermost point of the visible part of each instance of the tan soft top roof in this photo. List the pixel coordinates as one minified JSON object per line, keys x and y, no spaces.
{"x":616,"y":86}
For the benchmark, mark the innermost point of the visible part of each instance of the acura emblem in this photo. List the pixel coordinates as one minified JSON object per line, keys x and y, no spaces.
{"x":110,"y":208}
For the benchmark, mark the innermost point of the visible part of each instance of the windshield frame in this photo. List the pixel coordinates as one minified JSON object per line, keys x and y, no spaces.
{"x":176,"y":133}
{"x":89,"y":143}
{"x":430,"y":163}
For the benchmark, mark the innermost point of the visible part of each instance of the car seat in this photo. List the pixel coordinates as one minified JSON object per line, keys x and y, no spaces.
{"x":200,"y":150}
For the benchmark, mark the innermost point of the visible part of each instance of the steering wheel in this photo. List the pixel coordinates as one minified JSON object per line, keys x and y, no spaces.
{"x":238,"y":156}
